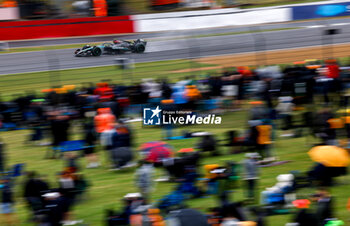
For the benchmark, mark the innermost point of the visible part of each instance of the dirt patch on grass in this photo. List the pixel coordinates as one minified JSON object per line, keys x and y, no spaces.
{"x":279,"y":56}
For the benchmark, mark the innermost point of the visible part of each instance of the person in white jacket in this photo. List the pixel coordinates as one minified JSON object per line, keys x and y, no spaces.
{"x":285,"y":110}
{"x":144,"y":179}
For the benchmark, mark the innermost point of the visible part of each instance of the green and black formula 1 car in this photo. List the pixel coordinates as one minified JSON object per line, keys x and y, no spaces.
{"x":117,"y":47}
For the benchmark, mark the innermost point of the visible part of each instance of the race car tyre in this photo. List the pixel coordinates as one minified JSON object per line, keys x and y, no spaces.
{"x":76,"y":51}
{"x":96,"y":51}
{"x":139,"y":48}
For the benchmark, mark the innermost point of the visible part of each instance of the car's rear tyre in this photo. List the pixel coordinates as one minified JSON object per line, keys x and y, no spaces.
{"x":96,"y":51}
{"x":140,"y":48}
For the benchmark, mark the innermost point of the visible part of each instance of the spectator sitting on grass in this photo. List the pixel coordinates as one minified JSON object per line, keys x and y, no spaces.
{"x":208,"y":144}
{"x":69,"y":190}
{"x":33,"y":189}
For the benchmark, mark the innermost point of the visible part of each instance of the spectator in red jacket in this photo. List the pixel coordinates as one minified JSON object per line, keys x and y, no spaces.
{"x":333,"y":70}
{"x":104,"y":92}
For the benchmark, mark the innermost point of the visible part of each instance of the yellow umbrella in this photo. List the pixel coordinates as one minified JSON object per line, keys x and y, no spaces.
{"x":331,"y":156}
{"x":69,"y":87}
{"x":247,"y":223}
{"x":343,"y":111}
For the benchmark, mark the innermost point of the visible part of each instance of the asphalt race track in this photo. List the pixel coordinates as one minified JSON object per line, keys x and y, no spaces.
{"x":174,"y":47}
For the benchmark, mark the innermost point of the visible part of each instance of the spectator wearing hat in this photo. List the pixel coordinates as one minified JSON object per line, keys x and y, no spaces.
{"x":55,"y":207}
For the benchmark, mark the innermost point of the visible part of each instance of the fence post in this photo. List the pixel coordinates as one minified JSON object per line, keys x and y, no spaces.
{"x":127,"y":65}
{"x":327,"y":34}
{"x":259,"y":46}
{"x":328,"y":39}
{"x":54,"y":68}
{"x":194,"y":49}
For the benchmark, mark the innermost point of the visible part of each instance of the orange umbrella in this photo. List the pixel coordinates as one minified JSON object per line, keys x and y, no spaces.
{"x":331,"y":156}
{"x":256,"y":102}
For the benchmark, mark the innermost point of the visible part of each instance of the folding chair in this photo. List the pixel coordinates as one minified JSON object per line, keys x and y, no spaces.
{"x":16,"y":170}
{"x":73,"y":145}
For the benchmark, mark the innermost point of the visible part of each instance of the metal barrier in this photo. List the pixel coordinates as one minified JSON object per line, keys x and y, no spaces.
{"x":4,"y":46}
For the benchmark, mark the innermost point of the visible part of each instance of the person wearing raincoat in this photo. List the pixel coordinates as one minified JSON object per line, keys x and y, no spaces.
{"x":192,"y":94}
{"x":121,"y":153}
{"x":179,"y":97}
{"x":104,"y":120}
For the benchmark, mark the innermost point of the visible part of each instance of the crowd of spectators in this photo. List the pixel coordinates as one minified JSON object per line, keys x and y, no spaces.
{"x":103,"y":110}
